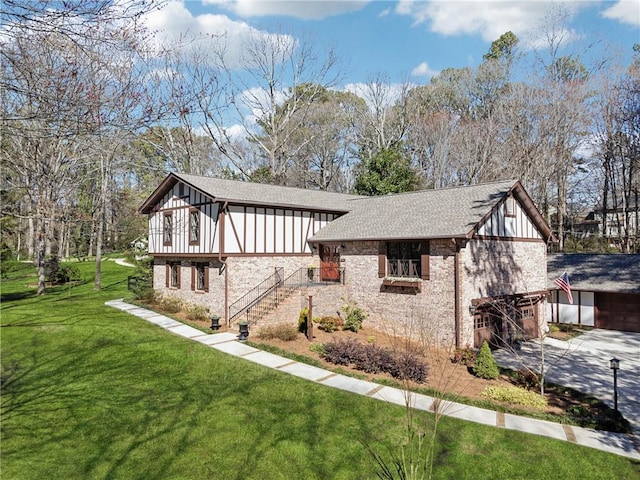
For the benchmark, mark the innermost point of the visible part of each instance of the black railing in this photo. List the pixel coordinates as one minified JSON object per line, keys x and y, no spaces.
{"x":253,"y":296}
{"x":263,"y":299}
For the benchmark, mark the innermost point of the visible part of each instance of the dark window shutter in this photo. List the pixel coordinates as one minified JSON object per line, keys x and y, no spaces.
{"x":179,"y":273}
{"x":382,"y":259}
{"x":194,"y":273}
{"x":206,"y":278}
{"x":167,"y":275}
{"x":424,"y":259}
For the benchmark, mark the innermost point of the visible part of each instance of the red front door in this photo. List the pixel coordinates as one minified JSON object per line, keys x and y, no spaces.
{"x":329,"y":263}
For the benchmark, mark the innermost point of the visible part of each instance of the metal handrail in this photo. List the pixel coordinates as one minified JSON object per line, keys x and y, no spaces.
{"x":254,"y":295}
{"x":269,"y":298}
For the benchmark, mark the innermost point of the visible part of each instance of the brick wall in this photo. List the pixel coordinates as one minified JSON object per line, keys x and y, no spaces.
{"x":491,"y":267}
{"x":429,"y":313}
{"x":244,"y":274}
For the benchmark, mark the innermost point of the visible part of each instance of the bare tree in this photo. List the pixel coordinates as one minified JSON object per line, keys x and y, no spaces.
{"x":268,"y":92}
{"x":618,"y":144}
{"x":383,"y":118}
{"x":57,"y":75}
{"x":326,"y":134}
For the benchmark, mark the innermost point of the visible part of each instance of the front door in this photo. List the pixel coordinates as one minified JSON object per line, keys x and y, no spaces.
{"x":329,"y":263}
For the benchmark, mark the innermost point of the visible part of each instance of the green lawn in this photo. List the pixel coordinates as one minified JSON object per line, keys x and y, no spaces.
{"x":90,"y":392}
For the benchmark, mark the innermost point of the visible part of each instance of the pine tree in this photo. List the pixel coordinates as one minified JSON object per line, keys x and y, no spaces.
{"x":485,"y":365}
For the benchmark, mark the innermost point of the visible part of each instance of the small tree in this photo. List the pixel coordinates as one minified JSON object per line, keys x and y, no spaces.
{"x":389,"y":171}
{"x":485,"y":365}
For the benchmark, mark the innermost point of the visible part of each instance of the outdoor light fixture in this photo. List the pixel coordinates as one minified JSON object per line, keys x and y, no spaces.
{"x":215,"y":322}
{"x":472,"y":309}
{"x":244,"y":330}
{"x":614,"y":364}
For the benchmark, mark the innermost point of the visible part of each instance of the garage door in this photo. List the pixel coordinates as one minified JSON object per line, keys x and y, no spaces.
{"x":618,"y":311}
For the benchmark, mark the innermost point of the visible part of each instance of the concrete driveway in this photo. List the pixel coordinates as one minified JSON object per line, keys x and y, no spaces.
{"x":583,"y":363}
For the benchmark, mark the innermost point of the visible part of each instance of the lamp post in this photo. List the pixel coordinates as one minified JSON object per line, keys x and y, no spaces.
{"x":215,"y":322}
{"x":244,"y":330}
{"x":614,"y":364}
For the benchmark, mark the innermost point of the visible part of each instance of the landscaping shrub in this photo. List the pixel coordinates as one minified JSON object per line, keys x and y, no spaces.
{"x":465,"y":356}
{"x":281,"y":331}
{"x":146,"y":295}
{"x":354,"y":316}
{"x":516,"y":396}
{"x":143,"y":288}
{"x":170,"y":304}
{"x":407,"y":366}
{"x":59,"y":275}
{"x":318,"y":347}
{"x":526,"y":379}
{"x":373,"y":359}
{"x":566,"y":327}
{"x":64,"y":275}
{"x":8,"y":263}
{"x":329,"y":323}
{"x":198,"y":313}
{"x":554,"y":327}
{"x":342,"y":352}
{"x":485,"y":365}
{"x":303,"y":320}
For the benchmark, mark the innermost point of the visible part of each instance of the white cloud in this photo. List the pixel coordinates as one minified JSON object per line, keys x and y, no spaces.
{"x":423,"y":70}
{"x":236,"y":132}
{"x":489,"y":19}
{"x":176,"y":26}
{"x":625,"y":11}
{"x":304,"y":9}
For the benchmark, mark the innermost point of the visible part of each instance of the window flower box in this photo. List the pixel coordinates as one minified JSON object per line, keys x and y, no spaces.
{"x":408,"y":283}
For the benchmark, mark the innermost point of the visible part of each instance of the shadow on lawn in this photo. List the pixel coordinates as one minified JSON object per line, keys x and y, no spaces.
{"x":120,"y":391}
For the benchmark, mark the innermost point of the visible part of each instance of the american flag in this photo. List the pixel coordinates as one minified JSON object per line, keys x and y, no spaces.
{"x":563,"y":283}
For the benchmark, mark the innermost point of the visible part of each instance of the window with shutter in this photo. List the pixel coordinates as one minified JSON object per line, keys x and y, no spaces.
{"x":404,"y":259}
{"x":200,"y":277}
{"x":174,"y":274}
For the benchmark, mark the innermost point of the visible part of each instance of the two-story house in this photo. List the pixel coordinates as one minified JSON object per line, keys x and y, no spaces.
{"x":463,"y":264}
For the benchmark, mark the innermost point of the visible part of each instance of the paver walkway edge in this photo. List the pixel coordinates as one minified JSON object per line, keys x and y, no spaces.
{"x":616,"y":443}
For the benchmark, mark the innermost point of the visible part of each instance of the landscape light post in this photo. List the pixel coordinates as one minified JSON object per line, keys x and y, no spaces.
{"x":614,"y":364}
{"x":244,"y":330}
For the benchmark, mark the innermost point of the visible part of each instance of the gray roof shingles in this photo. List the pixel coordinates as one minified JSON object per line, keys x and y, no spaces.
{"x":596,"y":272}
{"x":440,"y":213}
{"x":260,"y":194}
{"x":451,"y":212}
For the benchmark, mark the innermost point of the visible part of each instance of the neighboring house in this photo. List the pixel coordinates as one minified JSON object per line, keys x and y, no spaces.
{"x":617,"y":224}
{"x":452,"y":263}
{"x":605,"y":290}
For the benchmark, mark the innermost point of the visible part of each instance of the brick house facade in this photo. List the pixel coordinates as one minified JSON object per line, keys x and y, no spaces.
{"x":452,"y":263}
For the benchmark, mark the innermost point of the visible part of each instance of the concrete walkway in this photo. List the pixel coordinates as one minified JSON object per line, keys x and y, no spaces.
{"x":583,"y":363}
{"x":616,"y":443}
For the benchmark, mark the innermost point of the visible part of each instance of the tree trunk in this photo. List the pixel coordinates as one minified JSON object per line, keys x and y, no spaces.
{"x":561,"y":211}
{"x":102,"y":206}
{"x":42,"y":249}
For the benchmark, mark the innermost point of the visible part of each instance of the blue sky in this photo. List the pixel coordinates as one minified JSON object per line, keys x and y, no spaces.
{"x":410,"y":40}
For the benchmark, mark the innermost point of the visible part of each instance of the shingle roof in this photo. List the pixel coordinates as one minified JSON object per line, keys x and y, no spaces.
{"x":441,"y":213}
{"x":596,"y":272}
{"x":256,"y":194}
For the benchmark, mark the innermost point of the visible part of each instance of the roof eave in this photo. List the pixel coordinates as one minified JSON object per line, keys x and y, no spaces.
{"x":168,"y":183}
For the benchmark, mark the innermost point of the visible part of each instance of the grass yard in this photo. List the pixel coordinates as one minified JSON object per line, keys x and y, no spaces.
{"x":89,"y":392}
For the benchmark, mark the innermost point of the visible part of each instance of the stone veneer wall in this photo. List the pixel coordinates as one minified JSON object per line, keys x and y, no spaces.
{"x":429,"y":313}
{"x":244,"y":274}
{"x":492,"y":267}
